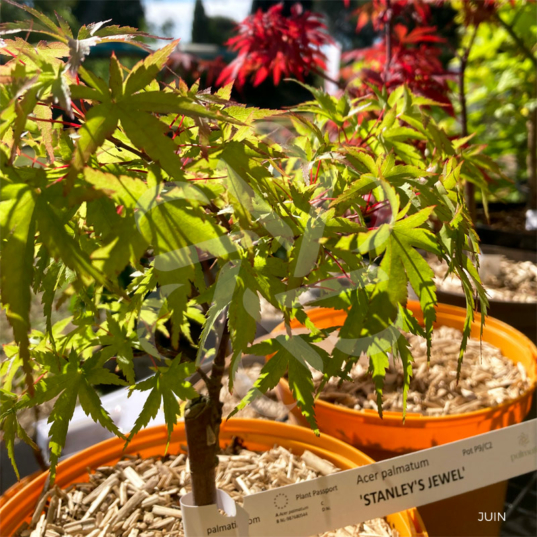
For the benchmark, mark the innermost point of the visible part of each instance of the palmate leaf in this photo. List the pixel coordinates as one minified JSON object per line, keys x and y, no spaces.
{"x":402,"y":264}
{"x":176,"y":288}
{"x":11,"y":429}
{"x":144,"y":130}
{"x":292,"y":354}
{"x":44,"y":26}
{"x":16,"y":263}
{"x":88,"y":36}
{"x":168,"y":384}
{"x":75,"y":385}
{"x":118,"y":342}
{"x":100,"y":123}
{"x":73,"y":381}
{"x":243,"y":315}
{"x":271,"y":373}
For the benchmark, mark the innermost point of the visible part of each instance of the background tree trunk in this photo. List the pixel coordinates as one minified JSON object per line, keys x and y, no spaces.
{"x":532,"y":155}
{"x":469,"y":187}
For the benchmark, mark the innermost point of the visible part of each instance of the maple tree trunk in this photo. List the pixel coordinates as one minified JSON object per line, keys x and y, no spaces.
{"x":202,"y":423}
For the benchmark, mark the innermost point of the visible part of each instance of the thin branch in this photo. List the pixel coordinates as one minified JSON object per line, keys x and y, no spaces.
{"x":322,"y":74}
{"x":470,"y":187}
{"x":122,"y":145}
{"x":203,"y":376}
{"x":521,"y":45}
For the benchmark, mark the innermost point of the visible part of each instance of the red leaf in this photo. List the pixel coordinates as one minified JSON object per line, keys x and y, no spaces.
{"x":271,"y":43}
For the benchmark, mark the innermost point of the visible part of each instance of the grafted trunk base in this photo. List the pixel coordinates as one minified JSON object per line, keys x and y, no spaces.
{"x":202,"y":428}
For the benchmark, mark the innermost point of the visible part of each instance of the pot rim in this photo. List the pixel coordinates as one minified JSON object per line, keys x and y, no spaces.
{"x":513,"y":303}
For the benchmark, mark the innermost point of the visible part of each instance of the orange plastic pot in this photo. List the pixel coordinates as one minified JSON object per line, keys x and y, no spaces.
{"x":17,"y":487}
{"x":258,"y":435}
{"x":389,"y":437}
{"x":366,"y":430}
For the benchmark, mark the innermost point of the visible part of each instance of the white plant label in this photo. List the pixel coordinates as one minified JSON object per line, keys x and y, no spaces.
{"x":376,"y":490}
{"x":207,"y":520}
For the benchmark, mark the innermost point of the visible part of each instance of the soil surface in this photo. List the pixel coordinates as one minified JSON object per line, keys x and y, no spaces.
{"x":487,"y":379}
{"x":504,"y":279}
{"x":140,"y":497}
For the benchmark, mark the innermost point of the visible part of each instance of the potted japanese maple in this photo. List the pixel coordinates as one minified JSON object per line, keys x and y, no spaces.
{"x":175,"y":183}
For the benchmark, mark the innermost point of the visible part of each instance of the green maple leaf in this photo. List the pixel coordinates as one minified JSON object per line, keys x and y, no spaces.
{"x":74,"y":379}
{"x":168,"y":384}
{"x":402,"y":263}
{"x":12,"y":429}
{"x":243,"y":315}
{"x":16,"y":263}
{"x":119,"y":343}
{"x":292,"y":354}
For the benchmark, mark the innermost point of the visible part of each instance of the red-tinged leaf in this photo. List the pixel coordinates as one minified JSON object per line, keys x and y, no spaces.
{"x":53,"y":29}
{"x":145,"y":71}
{"x":101,"y":122}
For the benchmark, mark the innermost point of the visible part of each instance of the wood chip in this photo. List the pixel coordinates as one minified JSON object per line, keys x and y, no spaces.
{"x":322,"y":466}
{"x":133,"y":477}
{"x":159,"y":510}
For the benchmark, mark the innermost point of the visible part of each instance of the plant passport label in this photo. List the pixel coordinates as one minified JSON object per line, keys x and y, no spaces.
{"x":379,"y":489}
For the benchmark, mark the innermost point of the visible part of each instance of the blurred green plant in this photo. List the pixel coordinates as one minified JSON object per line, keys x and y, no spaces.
{"x":500,"y":86}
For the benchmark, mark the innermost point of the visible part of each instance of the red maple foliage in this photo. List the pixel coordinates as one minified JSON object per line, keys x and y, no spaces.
{"x":475,"y":12}
{"x":414,"y":55}
{"x":379,"y":11}
{"x":270,"y":43}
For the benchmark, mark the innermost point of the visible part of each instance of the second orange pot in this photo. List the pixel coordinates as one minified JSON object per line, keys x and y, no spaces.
{"x":366,"y":430}
{"x":388,"y":437}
